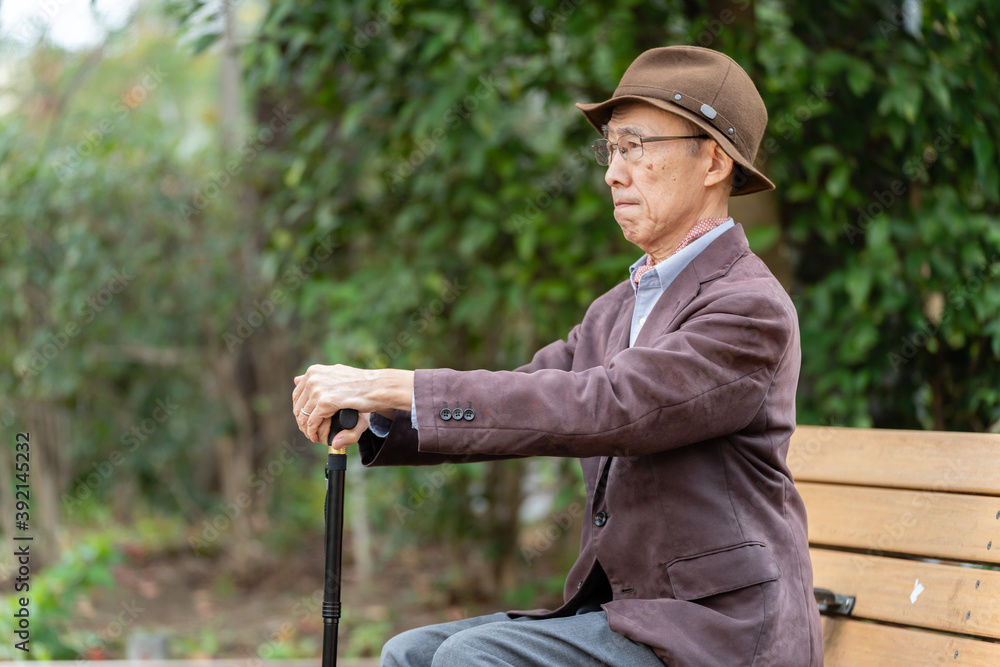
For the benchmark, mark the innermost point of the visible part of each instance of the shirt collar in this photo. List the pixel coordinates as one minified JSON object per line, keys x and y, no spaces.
{"x":668,"y":269}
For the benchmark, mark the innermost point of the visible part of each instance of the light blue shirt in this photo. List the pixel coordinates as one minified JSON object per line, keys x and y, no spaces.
{"x":654,"y":283}
{"x":380,"y":425}
{"x":651,"y":287}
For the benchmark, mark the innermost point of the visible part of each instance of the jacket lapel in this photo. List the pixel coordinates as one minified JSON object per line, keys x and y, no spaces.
{"x":617,"y":342}
{"x":713,"y":262}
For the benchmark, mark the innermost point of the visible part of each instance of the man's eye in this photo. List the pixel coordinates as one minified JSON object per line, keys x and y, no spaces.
{"x":630,"y":144}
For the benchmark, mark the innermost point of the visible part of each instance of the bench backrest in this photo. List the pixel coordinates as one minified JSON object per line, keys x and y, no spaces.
{"x":907,"y":522}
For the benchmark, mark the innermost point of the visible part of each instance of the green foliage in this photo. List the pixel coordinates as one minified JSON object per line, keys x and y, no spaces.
{"x":884,"y":148}
{"x":525,"y":595}
{"x":111,"y":293}
{"x":438,"y":141}
{"x":437,"y":144}
{"x":365,"y":638}
{"x":84,"y":567}
{"x":439,"y":155}
{"x":204,"y":644}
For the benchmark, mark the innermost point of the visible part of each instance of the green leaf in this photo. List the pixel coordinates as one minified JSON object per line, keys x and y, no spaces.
{"x":294,"y":174}
{"x":837,"y":181}
{"x":987,"y":170}
{"x":823,"y":154}
{"x":939,"y":91}
{"x":860,"y":76}
{"x":800,"y":192}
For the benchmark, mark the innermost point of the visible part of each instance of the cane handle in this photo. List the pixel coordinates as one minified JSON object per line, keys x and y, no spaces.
{"x":342,"y":420}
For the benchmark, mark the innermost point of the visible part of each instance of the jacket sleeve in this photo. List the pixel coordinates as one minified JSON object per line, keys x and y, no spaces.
{"x":400,"y":445}
{"x":707,"y":378}
{"x":557,"y":355}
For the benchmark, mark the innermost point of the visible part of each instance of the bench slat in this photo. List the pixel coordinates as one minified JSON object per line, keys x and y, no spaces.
{"x":952,"y":598}
{"x":935,"y":460}
{"x":922,"y":523}
{"x":850,"y":643}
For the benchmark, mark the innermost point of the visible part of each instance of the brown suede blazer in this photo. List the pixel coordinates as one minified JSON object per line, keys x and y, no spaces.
{"x":691,"y":510}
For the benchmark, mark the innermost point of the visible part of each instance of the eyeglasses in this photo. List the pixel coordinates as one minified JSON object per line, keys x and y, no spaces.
{"x":629,"y":147}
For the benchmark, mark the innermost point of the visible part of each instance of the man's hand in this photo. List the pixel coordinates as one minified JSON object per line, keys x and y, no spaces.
{"x":343,"y":438}
{"x":322,"y":390}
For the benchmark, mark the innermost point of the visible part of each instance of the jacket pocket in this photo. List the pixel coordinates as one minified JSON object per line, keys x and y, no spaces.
{"x":721,"y":571}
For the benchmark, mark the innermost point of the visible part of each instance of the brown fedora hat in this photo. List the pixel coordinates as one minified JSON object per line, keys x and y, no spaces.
{"x":706,"y":87}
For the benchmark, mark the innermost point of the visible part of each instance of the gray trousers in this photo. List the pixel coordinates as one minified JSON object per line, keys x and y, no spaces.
{"x":574,"y":641}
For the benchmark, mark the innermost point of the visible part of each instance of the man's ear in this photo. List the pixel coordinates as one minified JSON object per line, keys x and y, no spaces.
{"x":720,"y":167}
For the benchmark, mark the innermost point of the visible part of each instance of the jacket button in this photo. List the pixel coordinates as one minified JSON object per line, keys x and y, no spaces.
{"x":469,"y":414}
{"x":600,"y":519}
{"x":457,"y":413}
{"x":445,"y":414}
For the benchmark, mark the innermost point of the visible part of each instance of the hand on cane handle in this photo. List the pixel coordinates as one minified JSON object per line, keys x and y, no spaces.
{"x":342,"y":420}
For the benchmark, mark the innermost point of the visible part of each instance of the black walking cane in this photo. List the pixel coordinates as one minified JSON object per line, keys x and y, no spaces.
{"x":333,"y":512}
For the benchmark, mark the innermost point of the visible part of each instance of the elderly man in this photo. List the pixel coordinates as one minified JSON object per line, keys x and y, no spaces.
{"x":676,"y":391}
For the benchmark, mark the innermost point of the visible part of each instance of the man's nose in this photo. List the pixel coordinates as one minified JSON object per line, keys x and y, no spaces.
{"x":617,"y":173}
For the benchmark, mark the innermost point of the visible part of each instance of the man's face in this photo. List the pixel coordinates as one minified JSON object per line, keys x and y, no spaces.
{"x":660,"y":196}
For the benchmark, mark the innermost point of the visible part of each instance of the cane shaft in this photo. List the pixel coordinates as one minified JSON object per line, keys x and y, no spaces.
{"x":336,"y":464}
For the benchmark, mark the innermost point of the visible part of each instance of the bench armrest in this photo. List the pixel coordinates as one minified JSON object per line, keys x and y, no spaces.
{"x":832,"y":603}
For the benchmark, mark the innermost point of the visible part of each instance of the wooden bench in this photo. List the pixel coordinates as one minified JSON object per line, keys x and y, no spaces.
{"x":907,"y":523}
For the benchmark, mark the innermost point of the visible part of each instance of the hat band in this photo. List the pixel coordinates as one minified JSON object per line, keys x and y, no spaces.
{"x":692,"y":104}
